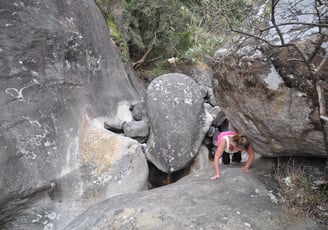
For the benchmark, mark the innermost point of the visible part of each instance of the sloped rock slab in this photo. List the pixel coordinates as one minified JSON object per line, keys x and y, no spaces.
{"x":236,"y":201}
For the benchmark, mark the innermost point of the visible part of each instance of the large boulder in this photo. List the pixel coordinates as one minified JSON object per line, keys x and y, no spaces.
{"x":178,"y":121}
{"x":57,"y":64}
{"x":236,"y":201}
{"x":268,"y":92}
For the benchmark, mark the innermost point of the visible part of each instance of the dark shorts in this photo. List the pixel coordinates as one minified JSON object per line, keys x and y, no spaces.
{"x":236,"y":157}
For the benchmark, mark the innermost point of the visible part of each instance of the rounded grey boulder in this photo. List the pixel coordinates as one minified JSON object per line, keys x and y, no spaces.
{"x":178,"y":123}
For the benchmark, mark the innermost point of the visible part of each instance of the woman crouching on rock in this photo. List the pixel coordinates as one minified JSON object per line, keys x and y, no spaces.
{"x":230,"y":142}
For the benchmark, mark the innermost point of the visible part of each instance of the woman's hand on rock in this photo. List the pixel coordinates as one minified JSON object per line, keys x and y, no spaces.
{"x":245,"y":170}
{"x":215,"y":177}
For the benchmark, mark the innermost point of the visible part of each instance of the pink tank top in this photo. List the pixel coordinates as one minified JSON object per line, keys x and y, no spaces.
{"x":226,"y":133}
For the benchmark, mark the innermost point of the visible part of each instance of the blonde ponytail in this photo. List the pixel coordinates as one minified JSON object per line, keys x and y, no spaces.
{"x":241,"y":141}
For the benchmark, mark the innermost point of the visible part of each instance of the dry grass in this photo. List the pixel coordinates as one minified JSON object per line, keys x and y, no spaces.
{"x":300,"y":194}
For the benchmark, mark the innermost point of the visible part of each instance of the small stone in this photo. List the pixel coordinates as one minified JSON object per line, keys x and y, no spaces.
{"x":247,"y":225}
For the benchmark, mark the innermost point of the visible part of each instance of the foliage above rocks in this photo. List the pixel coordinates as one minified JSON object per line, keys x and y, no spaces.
{"x":154,"y":31}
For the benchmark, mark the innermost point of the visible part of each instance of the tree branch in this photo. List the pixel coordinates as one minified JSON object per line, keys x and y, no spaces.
{"x":323,"y":25}
{"x":137,"y":64}
{"x":273,"y":20}
{"x":319,"y":43}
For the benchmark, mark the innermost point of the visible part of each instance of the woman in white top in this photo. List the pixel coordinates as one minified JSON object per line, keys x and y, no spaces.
{"x":231,"y":142}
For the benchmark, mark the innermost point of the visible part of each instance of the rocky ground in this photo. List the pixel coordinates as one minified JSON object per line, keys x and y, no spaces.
{"x":235,"y":201}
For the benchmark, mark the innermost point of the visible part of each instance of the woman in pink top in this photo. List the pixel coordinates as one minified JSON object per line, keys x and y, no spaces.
{"x":231,"y":142}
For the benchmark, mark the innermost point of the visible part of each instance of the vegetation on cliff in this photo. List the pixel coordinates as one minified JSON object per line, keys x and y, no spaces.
{"x":164,"y":36}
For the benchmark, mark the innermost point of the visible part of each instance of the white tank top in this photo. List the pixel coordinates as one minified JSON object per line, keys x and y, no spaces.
{"x":227,"y":149}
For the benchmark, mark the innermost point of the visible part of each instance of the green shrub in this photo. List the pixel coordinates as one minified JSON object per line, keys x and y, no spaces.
{"x":185,"y":29}
{"x":158,"y":68}
{"x":115,"y":33}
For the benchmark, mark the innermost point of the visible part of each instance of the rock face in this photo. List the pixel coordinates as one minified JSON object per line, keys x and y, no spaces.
{"x":269,"y":94}
{"x":57,"y":64}
{"x":204,"y":78}
{"x":178,"y":121}
{"x":110,"y":164}
{"x":236,"y":201}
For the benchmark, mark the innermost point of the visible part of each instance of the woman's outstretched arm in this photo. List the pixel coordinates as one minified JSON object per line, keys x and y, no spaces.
{"x":250,"y":160}
{"x":217,"y":157}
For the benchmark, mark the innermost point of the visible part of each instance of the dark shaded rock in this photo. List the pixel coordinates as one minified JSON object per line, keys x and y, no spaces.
{"x":135,"y":129}
{"x":157,"y":178}
{"x":114,"y":125}
{"x":138,"y":111}
{"x":204,"y":78}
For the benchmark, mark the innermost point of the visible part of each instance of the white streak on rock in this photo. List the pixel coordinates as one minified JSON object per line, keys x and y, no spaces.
{"x":32,"y":122}
{"x":15,"y":93}
{"x":18,"y":93}
{"x":273,"y":79}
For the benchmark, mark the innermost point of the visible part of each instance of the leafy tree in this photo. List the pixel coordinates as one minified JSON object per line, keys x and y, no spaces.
{"x":157,"y":28}
{"x":188,"y":30}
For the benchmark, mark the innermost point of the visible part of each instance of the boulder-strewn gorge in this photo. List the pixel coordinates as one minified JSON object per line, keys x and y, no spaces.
{"x":82,"y":141}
